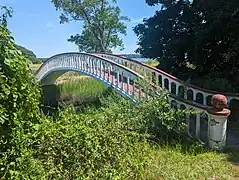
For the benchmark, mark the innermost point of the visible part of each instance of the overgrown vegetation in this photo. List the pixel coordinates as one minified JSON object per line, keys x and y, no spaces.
{"x":81,"y":90}
{"x":120,"y":141}
{"x":29,"y":55}
{"x":18,"y":103}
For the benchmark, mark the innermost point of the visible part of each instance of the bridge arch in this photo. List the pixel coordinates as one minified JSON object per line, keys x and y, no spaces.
{"x":119,"y":77}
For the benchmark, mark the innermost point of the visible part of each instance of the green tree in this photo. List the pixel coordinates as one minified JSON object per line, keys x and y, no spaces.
{"x":28,"y":54}
{"x":202,"y":33}
{"x":166,"y":35}
{"x":19,"y":100}
{"x":102,"y":23}
{"x":216,"y":37}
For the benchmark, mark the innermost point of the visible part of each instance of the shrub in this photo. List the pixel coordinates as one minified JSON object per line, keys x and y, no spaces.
{"x":107,"y":143}
{"x":93,"y":145}
{"x":154,"y":117}
{"x":18,"y":103}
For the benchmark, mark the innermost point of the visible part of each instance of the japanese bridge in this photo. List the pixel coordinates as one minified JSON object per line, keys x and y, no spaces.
{"x":124,"y":76}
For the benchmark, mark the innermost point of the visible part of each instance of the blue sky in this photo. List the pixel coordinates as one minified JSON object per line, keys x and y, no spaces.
{"x":35,"y":25}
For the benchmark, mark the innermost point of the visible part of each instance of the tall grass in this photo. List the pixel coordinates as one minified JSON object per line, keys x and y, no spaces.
{"x":80,"y":90}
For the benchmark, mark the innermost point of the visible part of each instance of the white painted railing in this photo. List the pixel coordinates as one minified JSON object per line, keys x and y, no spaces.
{"x":122,"y":79}
{"x":122,"y":75}
{"x":169,"y":82}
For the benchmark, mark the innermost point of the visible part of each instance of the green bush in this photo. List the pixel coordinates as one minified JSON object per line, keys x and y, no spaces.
{"x":18,"y":103}
{"x":107,"y":143}
{"x":154,"y":117}
{"x":118,"y":141}
{"x":90,"y":146}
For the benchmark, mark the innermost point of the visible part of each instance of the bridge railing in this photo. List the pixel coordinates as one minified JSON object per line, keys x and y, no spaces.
{"x":169,"y":82}
{"x":123,"y":78}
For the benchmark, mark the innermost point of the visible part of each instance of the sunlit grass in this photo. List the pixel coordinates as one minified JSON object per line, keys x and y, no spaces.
{"x":172,"y":163}
{"x":70,"y":76}
{"x":81,"y":89}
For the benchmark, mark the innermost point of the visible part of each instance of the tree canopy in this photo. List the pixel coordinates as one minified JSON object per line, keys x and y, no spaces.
{"x":102,"y":23}
{"x":203,"y":33}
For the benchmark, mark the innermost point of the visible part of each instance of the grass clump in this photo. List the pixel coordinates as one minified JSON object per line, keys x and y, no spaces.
{"x":80,"y":90}
{"x":176,"y":163}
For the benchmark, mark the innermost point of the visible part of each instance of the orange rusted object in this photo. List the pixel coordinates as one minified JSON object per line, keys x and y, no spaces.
{"x":219,"y":101}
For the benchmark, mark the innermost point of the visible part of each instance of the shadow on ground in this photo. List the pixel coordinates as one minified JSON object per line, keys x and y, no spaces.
{"x":233,"y":155}
{"x":232,"y":149}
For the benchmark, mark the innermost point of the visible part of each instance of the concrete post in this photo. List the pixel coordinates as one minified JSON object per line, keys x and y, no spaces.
{"x":217,"y":125}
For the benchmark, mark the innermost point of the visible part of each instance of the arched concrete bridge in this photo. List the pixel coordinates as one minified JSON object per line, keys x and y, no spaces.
{"x":123,"y":74}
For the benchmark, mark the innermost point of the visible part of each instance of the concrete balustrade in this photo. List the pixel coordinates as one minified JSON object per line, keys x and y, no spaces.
{"x":121,"y":78}
{"x":167,"y":81}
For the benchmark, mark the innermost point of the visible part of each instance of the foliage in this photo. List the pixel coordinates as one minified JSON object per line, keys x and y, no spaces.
{"x":120,"y":141}
{"x":80,"y":90}
{"x":29,"y":55}
{"x":216,"y":82}
{"x":5,"y":12}
{"x":102,"y":23}
{"x":202,"y":33}
{"x":18,"y":103}
{"x":90,"y":146}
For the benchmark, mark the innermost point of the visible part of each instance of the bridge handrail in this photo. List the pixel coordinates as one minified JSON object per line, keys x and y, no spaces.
{"x":194,"y":104}
{"x":170,"y":76}
{"x":87,"y":54}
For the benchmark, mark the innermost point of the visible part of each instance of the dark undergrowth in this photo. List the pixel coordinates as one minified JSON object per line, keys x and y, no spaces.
{"x":120,"y":140}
